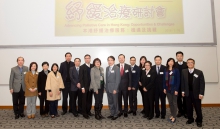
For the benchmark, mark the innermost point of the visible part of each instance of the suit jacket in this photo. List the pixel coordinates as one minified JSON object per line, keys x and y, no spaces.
{"x":159,"y":77}
{"x":17,"y":78}
{"x":54,"y":83}
{"x":83,"y":76}
{"x":63,"y":69}
{"x":74,"y":77}
{"x":198,"y":83}
{"x":148,"y":81}
{"x":126,"y":78}
{"x":135,"y":77}
{"x":41,"y":82}
{"x":31,"y":83}
{"x":95,"y":78}
{"x":112,"y":79}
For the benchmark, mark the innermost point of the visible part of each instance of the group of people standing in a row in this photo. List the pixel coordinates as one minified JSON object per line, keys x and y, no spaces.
{"x":183,"y":85}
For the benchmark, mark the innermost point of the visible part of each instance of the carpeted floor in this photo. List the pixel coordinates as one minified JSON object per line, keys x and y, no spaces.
{"x":211,"y":121}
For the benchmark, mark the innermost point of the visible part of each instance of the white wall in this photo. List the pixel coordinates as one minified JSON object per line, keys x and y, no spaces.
{"x":212,"y":93}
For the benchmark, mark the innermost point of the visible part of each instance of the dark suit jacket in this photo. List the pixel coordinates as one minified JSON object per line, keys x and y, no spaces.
{"x":74,"y":77}
{"x":83,"y":76}
{"x":148,"y":81}
{"x":135,"y":77}
{"x":198,"y":83}
{"x":63,"y":69}
{"x":126,"y":78}
{"x":41,"y":82}
{"x":159,"y":77}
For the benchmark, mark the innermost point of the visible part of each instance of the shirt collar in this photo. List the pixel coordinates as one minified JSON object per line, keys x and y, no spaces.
{"x":132,"y":66}
{"x":158,"y":66}
{"x":87,"y":64}
{"x":191,"y":70}
{"x":180,"y":63}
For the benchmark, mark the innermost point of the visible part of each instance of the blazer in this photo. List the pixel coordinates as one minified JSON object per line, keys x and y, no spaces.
{"x":83,"y":76}
{"x":159,"y":77}
{"x":126,"y":78}
{"x":54,"y":83}
{"x":63,"y":69}
{"x":113,"y":79}
{"x":198,"y":83}
{"x":175,"y":84}
{"x":41,"y":82}
{"x":95,"y":78}
{"x":31,"y":83}
{"x":135,"y":77}
{"x":148,"y":81}
{"x":74,"y":77}
{"x":17,"y":78}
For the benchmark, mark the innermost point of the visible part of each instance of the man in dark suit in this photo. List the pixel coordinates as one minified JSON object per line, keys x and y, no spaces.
{"x":64,"y":71}
{"x":159,"y":94}
{"x":193,"y":89}
{"x":124,"y":86}
{"x":75,"y":87}
{"x":135,"y":77}
{"x":85,"y":79}
{"x":181,"y":102}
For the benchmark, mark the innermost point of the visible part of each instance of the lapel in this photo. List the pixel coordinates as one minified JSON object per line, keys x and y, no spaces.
{"x":186,"y":74}
{"x":75,"y":71}
{"x":53,"y":76}
{"x":194,"y":72}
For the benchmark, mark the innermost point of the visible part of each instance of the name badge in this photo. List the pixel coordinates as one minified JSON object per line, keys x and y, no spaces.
{"x":195,"y":75}
{"x":133,"y":71}
{"x":112,"y":71}
{"x":148,"y":75}
{"x":171,"y":72}
{"x":36,"y":73}
{"x":143,"y":68}
{"x":101,"y":78}
{"x":126,"y":71}
{"x":24,"y":72}
{"x":161,"y":72}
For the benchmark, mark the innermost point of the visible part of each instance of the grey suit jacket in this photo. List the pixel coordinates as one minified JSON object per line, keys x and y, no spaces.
{"x":17,"y":78}
{"x":112,"y":79}
{"x":95,"y":78}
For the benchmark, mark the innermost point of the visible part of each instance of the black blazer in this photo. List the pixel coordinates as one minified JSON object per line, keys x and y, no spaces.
{"x":148,"y":81}
{"x":83,"y":76}
{"x":159,"y":77}
{"x":74,"y":77}
{"x":135,"y":77}
{"x":126,"y":78}
{"x":63,"y":70}
{"x":41,"y":82}
{"x":198,"y":83}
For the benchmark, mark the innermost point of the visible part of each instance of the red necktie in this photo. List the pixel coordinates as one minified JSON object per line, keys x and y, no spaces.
{"x":122,"y":70}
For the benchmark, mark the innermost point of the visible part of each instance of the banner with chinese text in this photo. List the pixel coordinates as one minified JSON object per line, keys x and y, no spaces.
{"x":118,"y":17}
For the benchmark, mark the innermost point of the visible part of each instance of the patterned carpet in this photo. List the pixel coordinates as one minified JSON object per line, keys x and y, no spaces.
{"x":211,"y":121}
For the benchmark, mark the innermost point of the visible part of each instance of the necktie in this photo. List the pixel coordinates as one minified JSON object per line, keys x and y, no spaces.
{"x":77,"y":70}
{"x":122,"y":70}
{"x":158,"y":70}
{"x":132,"y":68}
{"x":20,"y":68}
{"x":109,"y":72}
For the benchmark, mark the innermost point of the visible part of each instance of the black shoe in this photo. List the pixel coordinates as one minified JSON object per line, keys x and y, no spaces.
{"x":179,"y":115}
{"x":134,"y":113}
{"x":185,"y":115}
{"x":120,"y":114}
{"x":70,"y":111}
{"x":16,"y":116}
{"x":142,"y":111}
{"x":114,"y":118}
{"x":125,"y":114}
{"x":199,"y":124}
{"x":149,"y":118}
{"x":86,"y":116}
{"x":162,"y":117}
{"x":110,"y":117}
{"x":157,"y":116}
{"x":22,"y":115}
{"x":75,"y":114}
{"x":145,"y":116}
{"x":189,"y":121}
{"x":130,"y":111}
{"x":90,"y":114}
{"x":63,"y":113}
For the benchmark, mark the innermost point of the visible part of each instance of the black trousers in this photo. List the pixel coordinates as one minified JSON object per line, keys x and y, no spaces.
{"x":160,"y":96}
{"x":149,"y":103}
{"x":53,"y":107}
{"x":74,"y":96}
{"x":142,"y":94}
{"x":44,"y":103}
{"x":133,"y":100}
{"x":86,"y":102}
{"x":181,"y":103}
{"x":124,"y":95}
{"x":190,"y":102}
{"x":65,"y":92}
{"x":18,"y":99}
{"x":99,"y":97}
